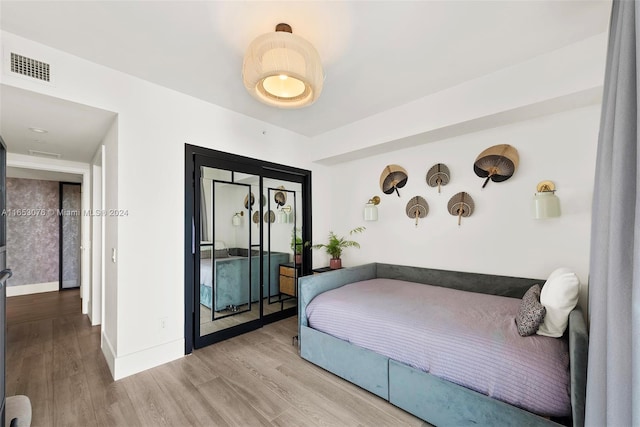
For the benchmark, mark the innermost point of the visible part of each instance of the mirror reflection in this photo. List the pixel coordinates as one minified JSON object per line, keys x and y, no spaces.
{"x":235,"y":275}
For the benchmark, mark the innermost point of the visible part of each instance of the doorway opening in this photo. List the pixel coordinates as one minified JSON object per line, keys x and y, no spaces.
{"x":34,"y":225}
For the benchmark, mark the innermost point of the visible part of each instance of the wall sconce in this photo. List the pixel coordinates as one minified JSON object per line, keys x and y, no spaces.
{"x":237,"y":218}
{"x":371,"y":210}
{"x":545,"y":202}
{"x":283,"y":214}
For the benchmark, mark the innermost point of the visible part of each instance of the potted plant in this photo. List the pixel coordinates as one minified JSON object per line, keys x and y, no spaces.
{"x":336,"y":245}
{"x":297,"y":245}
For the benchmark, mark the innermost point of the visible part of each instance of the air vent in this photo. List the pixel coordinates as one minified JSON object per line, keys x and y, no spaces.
{"x":29,"y":67}
{"x":44,"y":154}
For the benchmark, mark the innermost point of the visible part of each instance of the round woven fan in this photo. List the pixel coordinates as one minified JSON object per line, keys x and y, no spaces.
{"x":438,"y":176}
{"x":246,"y":201}
{"x":461,"y":204}
{"x":256,"y":217}
{"x":417,"y":208}
{"x":497,"y":163}
{"x":392,"y":178}
{"x":270,"y":217}
{"x":280,"y":197}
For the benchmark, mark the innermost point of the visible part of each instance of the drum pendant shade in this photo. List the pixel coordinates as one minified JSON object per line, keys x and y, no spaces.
{"x":282,"y":69}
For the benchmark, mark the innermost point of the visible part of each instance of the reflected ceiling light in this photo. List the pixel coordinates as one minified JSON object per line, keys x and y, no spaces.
{"x":282,"y":69}
{"x":38,"y":130}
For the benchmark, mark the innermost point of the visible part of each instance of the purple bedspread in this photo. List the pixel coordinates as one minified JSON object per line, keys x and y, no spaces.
{"x":463,"y":337}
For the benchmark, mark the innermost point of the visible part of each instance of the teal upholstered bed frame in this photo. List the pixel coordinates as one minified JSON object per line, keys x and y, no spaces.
{"x":430,"y":398}
{"x":232,"y":277}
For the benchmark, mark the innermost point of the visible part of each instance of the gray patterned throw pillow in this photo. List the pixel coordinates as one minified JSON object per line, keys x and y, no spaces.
{"x":531,"y":312}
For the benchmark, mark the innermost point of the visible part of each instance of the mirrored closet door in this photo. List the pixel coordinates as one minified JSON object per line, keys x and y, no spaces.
{"x":229,"y":271}
{"x":246,"y":253}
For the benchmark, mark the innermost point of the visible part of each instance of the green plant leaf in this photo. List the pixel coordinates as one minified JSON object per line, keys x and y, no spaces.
{"x":335,"y":244}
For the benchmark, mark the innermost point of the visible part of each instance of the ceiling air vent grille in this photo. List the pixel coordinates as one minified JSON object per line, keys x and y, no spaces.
{"x":29,"y":67}
{"x":44,"y":154}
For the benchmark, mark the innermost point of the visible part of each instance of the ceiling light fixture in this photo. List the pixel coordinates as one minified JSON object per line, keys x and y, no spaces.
{"x":38,"y":130}
{"x":282,"y":69}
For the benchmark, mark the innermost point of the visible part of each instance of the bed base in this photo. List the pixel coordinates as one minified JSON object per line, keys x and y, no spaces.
{"x":430,"y":398}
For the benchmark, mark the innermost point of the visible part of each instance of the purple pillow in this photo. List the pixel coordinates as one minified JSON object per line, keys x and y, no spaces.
{"x":531,"y":313}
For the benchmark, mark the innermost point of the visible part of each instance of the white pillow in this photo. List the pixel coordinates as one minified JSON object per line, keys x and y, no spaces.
{"x":559,"y":296}
{"x":219,"y":244}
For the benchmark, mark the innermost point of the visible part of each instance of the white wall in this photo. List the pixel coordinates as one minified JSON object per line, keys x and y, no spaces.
{"x":109,"y":338}
{"x":501,"y":237}
{"x":97,"y":242}
{"x":144,"y":170}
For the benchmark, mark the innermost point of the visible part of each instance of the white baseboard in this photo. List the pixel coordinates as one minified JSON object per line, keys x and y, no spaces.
{"x":107,"y":351}
{"x":35,"y":288}
{"x":133,"y":363}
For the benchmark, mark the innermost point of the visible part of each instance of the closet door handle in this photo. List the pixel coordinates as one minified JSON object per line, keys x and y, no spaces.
{"x":4,"y":275}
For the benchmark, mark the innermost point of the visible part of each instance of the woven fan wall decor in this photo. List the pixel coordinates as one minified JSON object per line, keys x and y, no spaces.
{"x":246,"y":201}
{"x":438,"y":176}
{"x":497,"y":163}
{"x":461,"y":204}
{"x":280,"y":197}
{"x":270,"y":217}
{"x":392,"y":178}
{"x":417,"y":208}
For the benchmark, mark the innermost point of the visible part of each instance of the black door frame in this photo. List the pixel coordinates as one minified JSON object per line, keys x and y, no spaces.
{"x":3,"y":277}
{"x":194,"y":156}
{"x":61,"y":235}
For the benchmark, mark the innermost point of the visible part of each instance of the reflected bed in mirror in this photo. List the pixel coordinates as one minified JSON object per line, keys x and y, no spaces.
{"x":225,"y":299}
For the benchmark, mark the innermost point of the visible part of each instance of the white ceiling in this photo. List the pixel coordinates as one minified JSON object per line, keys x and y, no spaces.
{"x":376,"y":54}
{"x":74,"y":131}
{"x":43,"y":175}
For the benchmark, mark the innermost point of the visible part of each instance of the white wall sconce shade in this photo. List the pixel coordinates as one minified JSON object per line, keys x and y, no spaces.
{"x":371,"y":210}
{"x":283,"y":215}
{"x":282,"y":69}
{"x":545,"y":202}
{"x":236,"y":220}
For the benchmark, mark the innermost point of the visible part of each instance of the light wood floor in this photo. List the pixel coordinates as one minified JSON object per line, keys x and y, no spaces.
{"x":207,"y":326}
{"x":54,"y":357}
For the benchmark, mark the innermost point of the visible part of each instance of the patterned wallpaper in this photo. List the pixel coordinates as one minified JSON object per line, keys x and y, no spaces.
{"x":71,"y":206}
{"x":32,"y":231}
